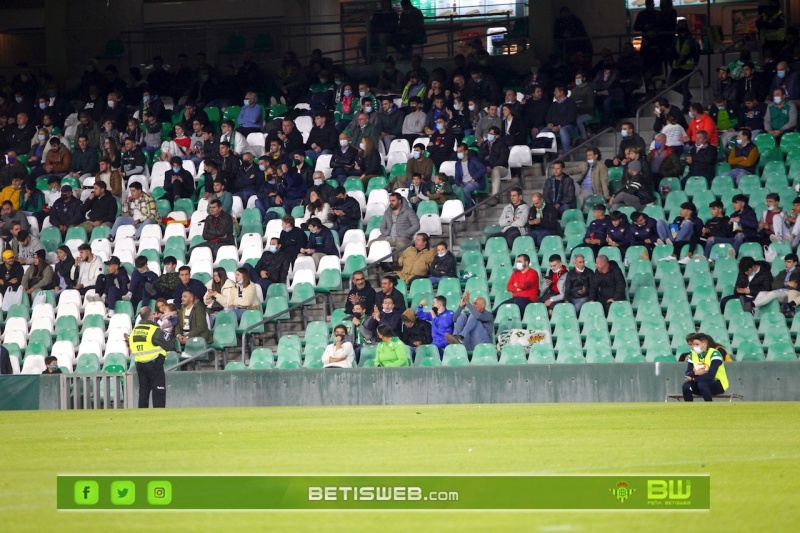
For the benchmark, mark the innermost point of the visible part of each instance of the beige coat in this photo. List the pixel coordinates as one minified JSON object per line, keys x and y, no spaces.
{"x":599,"y":176}
{"x":415,"y":263}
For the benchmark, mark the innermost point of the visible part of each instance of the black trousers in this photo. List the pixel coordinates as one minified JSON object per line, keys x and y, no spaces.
{"x":152,"y":379}
{"x":704,"y":387}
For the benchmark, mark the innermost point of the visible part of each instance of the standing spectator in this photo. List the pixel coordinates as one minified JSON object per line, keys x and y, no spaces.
{"x":675,"y":133}
{"x":400,"y":222}
{"x":514,"y":217}
{"x":559,"y":189}
{"x":743,"y":158}
{"x":410,"y":29}
{"x":441,"y":319}
{"x":702,"y":159}
{"x":570,"y":34}
{"x":416,"y":260}
{"x":542,"y":219}
{"x":470,"y":174}
{"x":535,"y":109}
{"x":781,"y":115}
{"x":494,"y":155}
{"x":340,"y":354}
{"x":754,"y":277}
{"x":608,"y":283}
{"x":443,"y":265}
{"x":523,"y":284}
{"x":577,"y":283}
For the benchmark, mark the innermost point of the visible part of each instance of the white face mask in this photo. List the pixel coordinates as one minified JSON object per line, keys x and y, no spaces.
{"x":624,"y":133}
{"x":519,"y":266}
{"x":590,"y":161}
{"x":472,"y":108}
{"x":272,"y":248}
{"x":490,"y":137}
{"x":111,"y":104}
{"x":318,"y":182}
{"x":344,"y":143}
{"x":777,"y":100}
{"x":658,"y":111}
{"x":770,"y":208}
{"x":697,"y":349}
{"x":442,"y":255}
{"x":361,"y":145}
{"x":578,"y":82}
{"x":456,"y":107}
{"x":415,"y":154}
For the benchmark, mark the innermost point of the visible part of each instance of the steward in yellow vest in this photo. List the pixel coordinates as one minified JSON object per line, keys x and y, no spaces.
{"x":705,"y":374}
{"x":149,"y":345}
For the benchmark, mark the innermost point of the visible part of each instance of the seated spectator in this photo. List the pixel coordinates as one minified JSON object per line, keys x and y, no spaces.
{"x":28,"y":246}
{"x":187,"y":283}
{"x":634,"y":192}
{"x":442,"y":189}
{"x":178,"y":182}
{"x":754,"y":278}
{"x":291,"y":188}
{"x":724,"y":86}
{"x":702,"y":159}
{"x":292,"y":238}
{"x":244,"y":296}
{"x":664,"y":161}
{"x":113,"y":285}
{"x":220,"y":293}
{"x":400,"y":222}
{"x":192,"y":319}
{"x":791,"y":233}
{"x":344,"y":160}
{"x":781,"y":115}
{"x":542,"y":219}
{"x":291,"y":140}
{"x":419,"y":163}
{"x":13,"y":192}
{"x":723,"y":115}
{"x":245,"y":182}
{"x":32,"y":202}
{"x":551,"y":290}
{"x":388,"y":290}
{"x":12,"y":167}
{"x":534,"y":111}
{"x":686,"y":229}
{"x":442,"y":141}
{"x":415,"y":261}
{"x":559,"y":189}
{"x":361,"y":292}
{"x":100,"y":208}
{"x":134,"y":162}
{"x":474,"y":328}
{"x":236,"y":140}
{"x":272,"y":267}
{"x":11,"y":272}
{"x":58,"y":160}
{"x":339,"y":354}
{"x":743,"y":158}
{"x":592,"y":177}
{"x":771,"y":226}
{"x":39,"y":276}
{"x":368,"y":160}
{"x":320,"y":241}
{"x":414,"y":123}
{"x":323,"y":137}
{"x":10,"y":217}
{"x":514,"y":218}
{"x":345,"y":213}
{"x":111,"y":177}
{"x":443,"y":265}
{"x":250,"y":117}
{"x":211,"y":174}
{"x":494,"y":155}
{"x":51,"y":365}
{"x":316,"y":207}
{"x":167,"y":317}
{"x":595,"y":237}
{"x":414,"y":88}
{"x":316,"y":179}
{"x":644,"y":231}
{"x":470,"y":173}
{"x":523,"y":284}
{"x":619,"y":234}
{"x":630,"y":139}
{"x":441,"y":320}
{"x":752,"y":114}
{"x":84,"y":159}
{"x":218,"y":228}
{"x":152,"y":135}
{"x":139,"y":209}
{"x":607,"y":284}
{"x":562,"y":117}
{"x":416,"y":332}
{"x":718,"y":225}
{"x":391,"y":351}
{"x":701,"y":121}
{"x":225,"y":198}
{"x":583,"y":94}
{"x":577,"y":283}
{"x":165,"y":285}
{"x":418,"y":191}
{"x":744,"y":226}
{"x":786,"y":280}
{"x":63,"y":279}
{"x":391,"y":80}
{"x":384,"y":314}
{"x":141,"y":286}
{"x":87,"y":269}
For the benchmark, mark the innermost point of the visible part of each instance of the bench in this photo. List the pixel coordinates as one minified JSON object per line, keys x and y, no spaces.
{"x":729,"y":397}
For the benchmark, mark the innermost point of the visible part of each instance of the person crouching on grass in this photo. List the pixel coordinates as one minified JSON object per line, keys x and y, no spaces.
{"x":705,"y":372}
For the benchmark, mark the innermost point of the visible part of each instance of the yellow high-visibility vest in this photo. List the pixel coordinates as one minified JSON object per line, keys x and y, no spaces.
{"x":710,"y":354}
{"x":141,"y":344}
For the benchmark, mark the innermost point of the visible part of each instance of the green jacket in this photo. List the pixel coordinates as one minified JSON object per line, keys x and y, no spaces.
{"x":392,"y":353}
{"x":198,"y":325}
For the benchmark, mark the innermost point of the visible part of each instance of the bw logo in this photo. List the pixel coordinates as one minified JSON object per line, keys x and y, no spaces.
{"x":622,"y":492}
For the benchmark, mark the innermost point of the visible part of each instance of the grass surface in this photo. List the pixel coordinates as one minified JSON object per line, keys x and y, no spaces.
{"x":750,"y":450}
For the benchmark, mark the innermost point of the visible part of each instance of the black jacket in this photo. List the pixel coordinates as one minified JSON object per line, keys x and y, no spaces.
{"x":577,"y":284}
{"x":84,"y":162}
{"x":133,"y":163}
{"x":610,"y":285}
{"x":762,"y":281}
{"x":549,"y":220}
{"x":20,"y":138}
{"x":325,"y":137}
{"x":394,"y":320}
{"x":365,"y":295}
{"x":101,"y":208}
{"x":351,"y":209}
{"x":674,"y":111}
{"x":276,"y":265}
{"x":420,"y":332}
{"x":399,"y":300}
{"x":219,"y":230}
{"x":291,"y":242}
{"x":704,"y":162}
{"x":5,"y":362}
{"x":67,"y":213}
{"x":344,"y":160}
{"x":322,"y":242}
{"x":534,"y":113}
{"x":443,"y":266}
{"x":495,"y":154}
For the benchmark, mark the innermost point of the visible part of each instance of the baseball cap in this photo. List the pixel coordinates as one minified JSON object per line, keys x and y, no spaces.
{"x":8,"y":254}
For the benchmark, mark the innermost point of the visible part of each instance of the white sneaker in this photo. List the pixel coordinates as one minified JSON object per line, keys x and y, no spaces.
{"x":669,"y":241}
{"x":127,"y":297}
{"x":94,"y":298}
{"x":110,"y":313}
{"x":774,"y":238}
{"x":667,"y":258}
{"x":659,"y":242}
{"x":684,"y":261}
{"x":731,"y":253}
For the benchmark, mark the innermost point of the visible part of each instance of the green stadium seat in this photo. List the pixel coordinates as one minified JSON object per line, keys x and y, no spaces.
{"x":427,"y":355}
{"x":87,"y":363}
{"x":599,"y":355}
{"x":764,"y":141}
{"x":367,"y":357}
{"x":313,"y":357}
{"x":235,"y":365}
{"x":454,"y":355}
{"x":541,"y":353}
{"x":484,"y":355}
{"x":352,"y":264}
{"x":289,"y":359}
{"x":781,"y":351}
{"x":513,"y":354}
{"x":570,"y":355}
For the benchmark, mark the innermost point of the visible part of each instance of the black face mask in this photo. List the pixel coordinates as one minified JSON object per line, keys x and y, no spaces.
{"x":358,"y":315}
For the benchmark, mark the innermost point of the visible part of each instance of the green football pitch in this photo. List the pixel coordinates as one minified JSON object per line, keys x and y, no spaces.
{"x":751,"y":451}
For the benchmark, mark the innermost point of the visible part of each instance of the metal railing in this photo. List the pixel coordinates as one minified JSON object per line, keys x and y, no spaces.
{"x":197,"y":356}
{"x":582,"y":146}
{"x":667,"y":89}
{"x":473,"y":209}
{"x":96,"y":391}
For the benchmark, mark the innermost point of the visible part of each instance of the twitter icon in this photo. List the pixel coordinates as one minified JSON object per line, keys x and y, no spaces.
{"x":123,"y":492}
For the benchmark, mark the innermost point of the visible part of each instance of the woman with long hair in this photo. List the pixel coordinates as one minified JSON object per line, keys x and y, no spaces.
{"x":39,"y":276}
{"x":111,"y":152}
{"x":316,"y":206}
{"x":133,"y":131}
{"x":220,"y":293}
{"x":63,"y":271}
{"x":368,"y":161}
{"x":245,"y":296}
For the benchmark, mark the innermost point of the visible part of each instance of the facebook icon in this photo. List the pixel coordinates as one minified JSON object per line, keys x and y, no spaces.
{"x":87,"y":492}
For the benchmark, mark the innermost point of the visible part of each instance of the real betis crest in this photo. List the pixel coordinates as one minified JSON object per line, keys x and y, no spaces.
{"x":622,"y":492}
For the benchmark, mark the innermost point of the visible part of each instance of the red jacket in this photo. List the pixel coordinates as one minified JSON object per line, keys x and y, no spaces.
{"x":703,"y":122}
{"x":524,"y":284}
